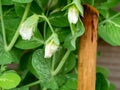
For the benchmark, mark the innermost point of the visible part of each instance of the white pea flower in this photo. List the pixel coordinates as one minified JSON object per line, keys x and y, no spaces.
{"x":26,"y":32}
{"x":27,"y":28}
{"x":51,"y":47}
{"x":73,"y":14}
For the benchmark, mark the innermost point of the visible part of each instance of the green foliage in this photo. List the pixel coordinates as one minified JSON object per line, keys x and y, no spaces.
{"x":69,"y":66}
{"x":110,"y":31}
{"x":35,"y":42}
{"x":42,"y":66}
{"x":58,"y":18}
{"x":9,"y":57}
{"x":77,"y":31}
{"x":102,"y":70}
{"x":101,"y":82}
{"x":9,"y":80}
{"x":71,"y":83}
{"x":58,"y":72}
{"x":22,"y":88}
{"x":7,"y":2}
{"x":23,"y":1}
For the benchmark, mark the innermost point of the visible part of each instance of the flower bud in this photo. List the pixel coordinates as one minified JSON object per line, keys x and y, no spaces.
{"x":51,"y":47}
{"x":27,"y":28}
{"x":73,"y":14}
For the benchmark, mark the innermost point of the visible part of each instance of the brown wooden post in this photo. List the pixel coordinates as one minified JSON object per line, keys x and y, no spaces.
{"x":87,"y":50}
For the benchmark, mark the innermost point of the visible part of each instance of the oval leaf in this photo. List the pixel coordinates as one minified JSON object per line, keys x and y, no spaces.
{"x":110,"y":31}
{"x":42,"y":68}
{"x":9,"y":80}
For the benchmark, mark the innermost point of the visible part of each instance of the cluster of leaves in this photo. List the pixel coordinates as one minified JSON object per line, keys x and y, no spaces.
{"x":60,"y":71}
{"x":109,"y":22}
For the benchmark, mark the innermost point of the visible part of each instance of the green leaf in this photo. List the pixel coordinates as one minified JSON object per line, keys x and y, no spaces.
{"x":58,"y":56}
{"x":88,"y":2}
{"x":31,"y":69}
{"x":42,"y":3}
{"x":10,"y":27}
{"x":19,"y":9}
{"x":7,"y":2}
{"x":25,"y":60}
{"x":21,"y":88}
{"x":62,"y":33}
{"x":23,"y":1}
{"x":70,"y":40}
{"x":79,"y":6}
{"x":101,"y":82}
{"x":77,"y":3}
{"x":103,"y":70}
{"x":35,"y":8}
{"x":34,"y":42}
{"x":58,"y":18}
{"x":51,"y":83}
{"x":42,"y":67}
{"x":60,"y":79}
{"x":112,"y":87}
{"x":6,"y":57}
{"x":71,"y":83}
{"x":110,"y":3}
{"x":110,"y":31}
{"x":9,"y":80}
{"x":70,"y":63}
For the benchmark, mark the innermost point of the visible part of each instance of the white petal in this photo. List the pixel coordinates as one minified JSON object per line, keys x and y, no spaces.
{"x":73,"y":15}
{"x":26,"y":33}
{"x":48,"y":53}
{"x":50,"y":49}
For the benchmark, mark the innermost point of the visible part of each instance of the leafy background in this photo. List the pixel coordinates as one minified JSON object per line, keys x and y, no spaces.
{"x":33,"y":70}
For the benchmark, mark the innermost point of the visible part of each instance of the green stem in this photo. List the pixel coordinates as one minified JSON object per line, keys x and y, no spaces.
{"x":46,"y":19}
{"x":73,"y":29}
{"x":17,"y":32}
{"x":45,"y":25}
{"x":61,"y":63}
{"x":109,"y":18}
{"x":32,"y":84}
{"x":3,"y":26}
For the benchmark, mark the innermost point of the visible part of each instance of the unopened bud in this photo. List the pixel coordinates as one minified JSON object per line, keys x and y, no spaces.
{"x":73,"y":14}
{"x":27,"y":28}
{"x":51,"y":46}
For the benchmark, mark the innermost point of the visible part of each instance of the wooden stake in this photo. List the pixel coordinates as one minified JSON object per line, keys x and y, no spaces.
{"x":87,"y":50}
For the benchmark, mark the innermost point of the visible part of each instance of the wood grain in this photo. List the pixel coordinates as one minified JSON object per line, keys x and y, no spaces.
{"x":87,"y":50}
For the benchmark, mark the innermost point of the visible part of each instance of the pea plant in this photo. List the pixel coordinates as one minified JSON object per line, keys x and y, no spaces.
{"x":39,"y":42}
